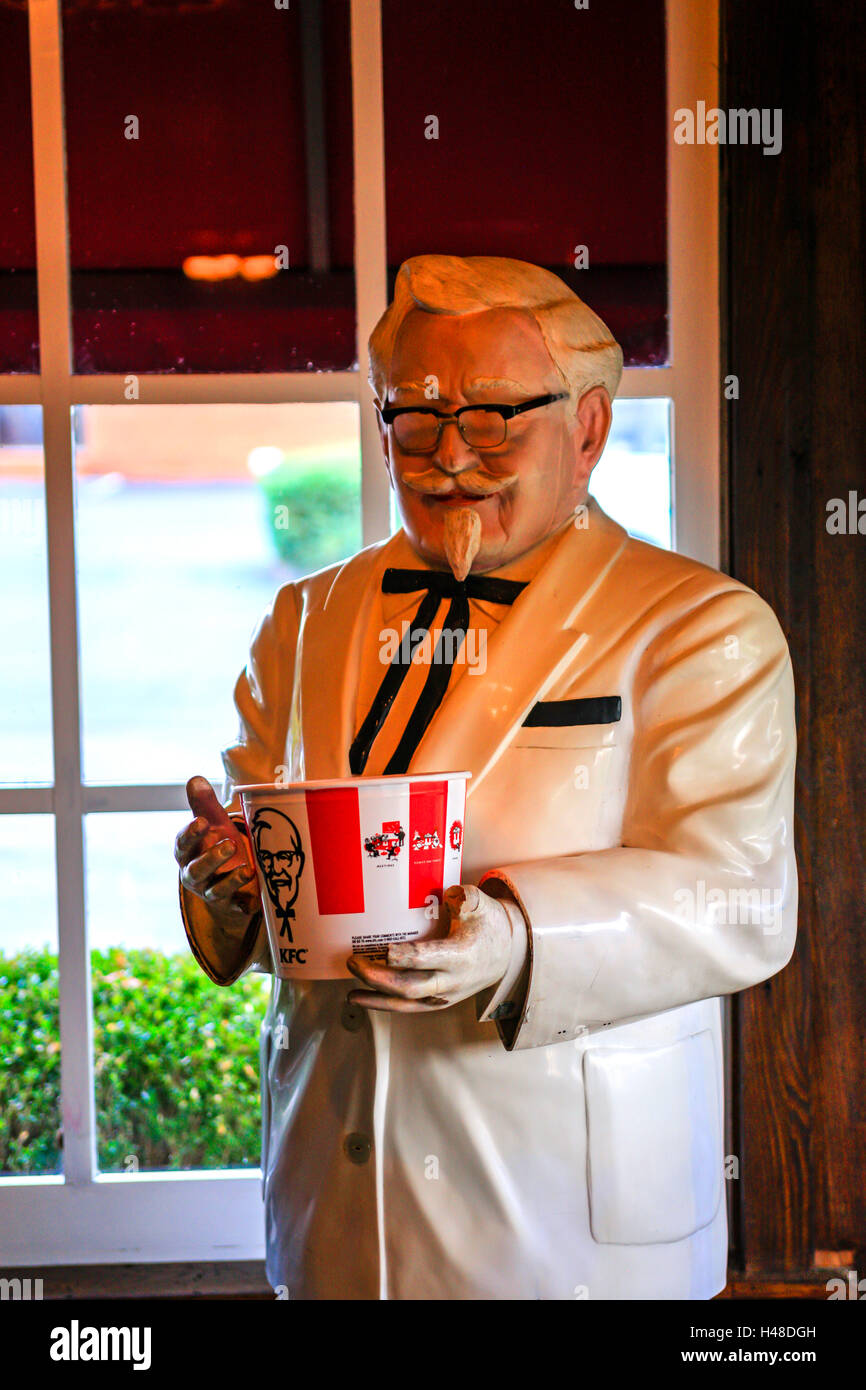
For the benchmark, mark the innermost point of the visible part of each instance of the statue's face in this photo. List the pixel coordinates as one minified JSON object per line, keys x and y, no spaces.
{"x":522,"y":489}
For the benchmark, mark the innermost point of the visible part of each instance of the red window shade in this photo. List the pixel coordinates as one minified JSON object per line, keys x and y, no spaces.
{"x":551,"y":136}
{"x":226,"y":96}
{"x":19,"y":333}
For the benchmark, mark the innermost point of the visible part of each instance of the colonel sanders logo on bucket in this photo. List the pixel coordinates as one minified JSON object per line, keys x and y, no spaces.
{"x":281,"y":867}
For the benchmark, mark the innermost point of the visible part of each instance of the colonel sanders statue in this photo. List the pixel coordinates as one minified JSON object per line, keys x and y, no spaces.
{"x":532,"y":1106}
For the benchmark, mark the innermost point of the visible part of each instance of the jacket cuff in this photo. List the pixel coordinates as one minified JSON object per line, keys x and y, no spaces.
{"x":503,"y":1003}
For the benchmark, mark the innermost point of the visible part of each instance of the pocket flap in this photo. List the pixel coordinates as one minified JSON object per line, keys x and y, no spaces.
{"x":587,"y":709}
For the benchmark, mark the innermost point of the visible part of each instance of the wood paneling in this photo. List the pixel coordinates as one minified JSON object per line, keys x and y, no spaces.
{"x":794,"y":314}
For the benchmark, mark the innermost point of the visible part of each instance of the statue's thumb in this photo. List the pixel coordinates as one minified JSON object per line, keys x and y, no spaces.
{"x":463,"y":901}
{"x":203,"y":802}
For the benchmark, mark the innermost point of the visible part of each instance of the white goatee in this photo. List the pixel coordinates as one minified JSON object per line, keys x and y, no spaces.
{"x":462,"y":539}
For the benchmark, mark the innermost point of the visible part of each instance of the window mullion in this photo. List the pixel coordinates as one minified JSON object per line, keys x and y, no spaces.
{"x":693,"y":280}
{"x":216,"y":388}
{"x":19,"y":389}
{"x":52,"y":265}
{"x":371,"y":256}
{"x":647,"y":383}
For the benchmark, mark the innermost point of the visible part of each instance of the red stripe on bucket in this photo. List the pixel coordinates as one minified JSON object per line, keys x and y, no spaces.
{"x":335,"y":844}
{"x":428,"y":803}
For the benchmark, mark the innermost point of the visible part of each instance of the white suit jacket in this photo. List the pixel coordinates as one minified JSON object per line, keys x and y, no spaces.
{"x":576,"y":1150}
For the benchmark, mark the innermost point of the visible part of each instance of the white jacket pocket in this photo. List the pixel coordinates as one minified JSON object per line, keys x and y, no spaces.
{"x":654,"y":1140}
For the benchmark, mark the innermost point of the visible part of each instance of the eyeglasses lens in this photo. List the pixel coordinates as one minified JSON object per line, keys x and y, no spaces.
{"x":418,"y":432}
{"x":482,"y":429}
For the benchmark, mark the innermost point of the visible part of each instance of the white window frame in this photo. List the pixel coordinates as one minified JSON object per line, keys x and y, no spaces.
{"x":82,"y":1216}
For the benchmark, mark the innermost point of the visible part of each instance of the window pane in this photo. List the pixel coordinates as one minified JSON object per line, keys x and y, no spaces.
{"x":203,"y":140}
{"x":25,"y":691}
{"x":175,"y":1056}
{"x":19,"y":334}
{"x":536,"y":134}
{"x":30,"y":1140}
{"x":188,"y":520}
{"x":632,"y":480}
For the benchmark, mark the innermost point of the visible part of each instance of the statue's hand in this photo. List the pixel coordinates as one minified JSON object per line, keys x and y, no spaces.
{"x":214,"y":860}
{"x":421,"y":976}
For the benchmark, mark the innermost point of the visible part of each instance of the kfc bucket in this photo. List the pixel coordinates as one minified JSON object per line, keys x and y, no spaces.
{"x":345,"y":868}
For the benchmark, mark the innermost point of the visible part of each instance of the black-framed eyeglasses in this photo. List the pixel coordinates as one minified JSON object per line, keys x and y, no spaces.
{"x":418,"y":428}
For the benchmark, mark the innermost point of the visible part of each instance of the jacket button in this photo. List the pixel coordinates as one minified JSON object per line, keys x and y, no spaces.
{"x":352,"y":1017}
{"x":357,"y":1148}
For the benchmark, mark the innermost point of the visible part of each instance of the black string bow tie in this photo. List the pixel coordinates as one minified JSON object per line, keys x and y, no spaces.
{"x":439,"y":584}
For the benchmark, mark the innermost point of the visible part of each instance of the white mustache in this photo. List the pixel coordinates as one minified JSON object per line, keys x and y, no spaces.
{"x":475,"y":482}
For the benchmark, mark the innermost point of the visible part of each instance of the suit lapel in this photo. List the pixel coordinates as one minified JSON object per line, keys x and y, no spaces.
{"x":536,"y":641}
{"x":330,"y":654}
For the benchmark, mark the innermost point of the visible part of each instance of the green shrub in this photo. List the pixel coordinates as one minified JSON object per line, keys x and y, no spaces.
{"x":313,"y":513}
{"x":29,"y":1064}
{"x":176,"y":1064}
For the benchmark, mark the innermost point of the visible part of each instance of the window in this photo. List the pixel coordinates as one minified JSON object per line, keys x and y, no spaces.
{"x":188,"y":518}
{"x":235,"y":252}
{"x":507,"y":156}
{"x":19,"y":337}
{"x":187,"y":387}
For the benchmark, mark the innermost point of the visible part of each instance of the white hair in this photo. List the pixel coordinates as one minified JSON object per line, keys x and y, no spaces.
{"x":582,"y":348}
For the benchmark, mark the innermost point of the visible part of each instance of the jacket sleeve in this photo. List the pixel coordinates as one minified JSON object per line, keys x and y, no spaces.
{"x":701,"y":897}
{"x":263,"y":698}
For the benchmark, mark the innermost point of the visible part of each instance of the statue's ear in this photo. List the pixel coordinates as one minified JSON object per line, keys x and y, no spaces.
{"x":594,"y":416}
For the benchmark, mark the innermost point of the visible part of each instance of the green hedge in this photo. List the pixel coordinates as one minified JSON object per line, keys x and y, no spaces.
{"x":313,"y":513}
{"x":176,"y":1064}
